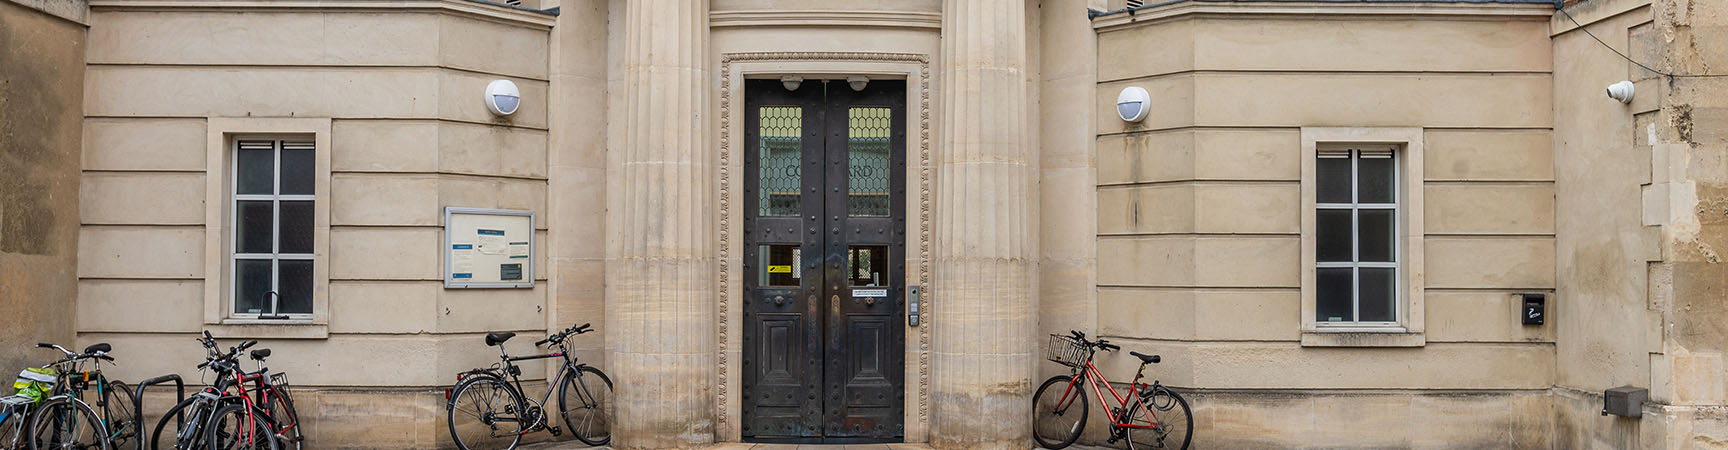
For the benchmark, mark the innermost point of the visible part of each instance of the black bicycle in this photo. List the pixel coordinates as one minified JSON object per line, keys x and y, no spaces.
{"x":221,"y":416}
{"x":486,"y":412}
{"x":65,"y":421}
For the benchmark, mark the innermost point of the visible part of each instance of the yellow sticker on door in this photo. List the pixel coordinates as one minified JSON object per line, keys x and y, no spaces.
{"x":780,"y":269}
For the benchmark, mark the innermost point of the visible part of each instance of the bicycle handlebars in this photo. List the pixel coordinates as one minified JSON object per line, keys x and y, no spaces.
{"x":1099,"y":344}
{"x":559,"y":336}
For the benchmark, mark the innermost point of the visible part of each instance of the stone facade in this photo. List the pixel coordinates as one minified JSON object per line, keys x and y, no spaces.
{"x":1031,"y":209}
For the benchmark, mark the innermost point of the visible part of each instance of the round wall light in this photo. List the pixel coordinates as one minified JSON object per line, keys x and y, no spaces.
{"x":502,"y":97}
{"x":1132,"y":104}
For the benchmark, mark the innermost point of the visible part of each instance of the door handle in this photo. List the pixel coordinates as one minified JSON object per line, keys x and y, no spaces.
{"x":869,"y":301}
{"x":779,"y":300}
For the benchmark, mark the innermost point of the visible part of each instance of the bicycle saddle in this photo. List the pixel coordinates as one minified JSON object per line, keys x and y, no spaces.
{"x":493,"y":339}
{"x":101,"y":347}
{"x":1145,"y":359}
{"x":260,"y":354}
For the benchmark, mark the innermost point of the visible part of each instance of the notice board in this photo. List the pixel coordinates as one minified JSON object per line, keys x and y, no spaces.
{"x":488,"y":248}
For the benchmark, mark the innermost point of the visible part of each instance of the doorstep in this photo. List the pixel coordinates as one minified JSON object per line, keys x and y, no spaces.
{"x":573,"y":445}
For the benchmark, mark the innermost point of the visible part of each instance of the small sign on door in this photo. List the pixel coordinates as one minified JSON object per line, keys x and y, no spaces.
{"x":857,"y":293}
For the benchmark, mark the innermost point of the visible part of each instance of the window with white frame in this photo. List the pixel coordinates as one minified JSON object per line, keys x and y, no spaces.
{"x":1356,"y":228}
{"x":273,"y":219}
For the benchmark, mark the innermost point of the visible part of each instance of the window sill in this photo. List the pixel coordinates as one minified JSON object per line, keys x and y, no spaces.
{"x":1359,"y":337}
{"x":268,"y":329}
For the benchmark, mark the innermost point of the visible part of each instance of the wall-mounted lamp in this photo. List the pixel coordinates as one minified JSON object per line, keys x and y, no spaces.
{"x":1621,"y":91}
{"x":791,"y":82}
{"x":858,"y":82}
{"x":502,"y":97}
{"x":1132,"y":104}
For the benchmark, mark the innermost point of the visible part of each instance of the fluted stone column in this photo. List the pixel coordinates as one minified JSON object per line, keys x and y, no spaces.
{"x":983,"y":247}
{"x":661,"y":265}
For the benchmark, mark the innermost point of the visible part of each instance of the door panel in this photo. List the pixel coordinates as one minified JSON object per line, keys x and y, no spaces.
{"x":833,"y":276}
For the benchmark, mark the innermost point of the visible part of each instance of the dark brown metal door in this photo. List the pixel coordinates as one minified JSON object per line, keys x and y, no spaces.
{"x":825,"y":228}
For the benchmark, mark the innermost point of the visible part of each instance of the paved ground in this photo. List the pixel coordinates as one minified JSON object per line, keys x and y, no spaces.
{"x":574,"y":445}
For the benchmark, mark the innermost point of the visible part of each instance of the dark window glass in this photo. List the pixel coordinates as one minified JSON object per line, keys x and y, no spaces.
{"x":1375,"y":235}
{"x":868,"y":157}
{"x":779,"y":265}
{"x":1333,"y":235}
{"x":1334,"y":180}
{"x":252,"y":286}
{"x":296,"y":227}
{"x":1376,"y":295}
{"x":297,"y":169}
{"x":867,"y":265}
{"x":1375,"y":176}
{"x":294,"y":287}
{"x":252,"y":235}
{"x":1332,"y":298}
{"x":257,"y":171}
{"x":780,"y":132}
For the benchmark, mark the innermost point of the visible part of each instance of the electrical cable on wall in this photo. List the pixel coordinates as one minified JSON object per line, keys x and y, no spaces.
{"x":1586,"y":30}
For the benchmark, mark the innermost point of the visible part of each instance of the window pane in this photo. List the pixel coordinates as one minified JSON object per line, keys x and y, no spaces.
{"x":869,"y":156}
{"x":1376,"y":178}
{"x":1376,"y":235}
{"x":297,"y":168}
{"x":294,"y":287}
{"x":252,"y":235}
{"x":1377,"y":295}
{"x":778,"y":265}
{"x":296,"y":227}
{"x":1333,"y":234}
{"x":256,"y":167}
{"x":781,"y":130}
{"x":1332,"y":296}
{"x":867,"y":265}
{"x":252,"y":286}
{"x":1333,"y":180}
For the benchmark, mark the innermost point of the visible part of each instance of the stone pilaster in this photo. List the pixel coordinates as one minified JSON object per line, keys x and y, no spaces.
{"x":661,"y":265}
{"x":984,"y":255}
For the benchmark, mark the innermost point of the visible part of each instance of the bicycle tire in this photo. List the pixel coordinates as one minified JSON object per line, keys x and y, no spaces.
{"x":1169,"y":424}
{"x":82,"y":419}
{"x":286,"y":421}
{"x":120,"y":415}
{"x":600,"y":408}
{"x":483,"y":412}
{"x":197,"y":435}
{"x":1052,"y":439}
{"x":261,"y":435}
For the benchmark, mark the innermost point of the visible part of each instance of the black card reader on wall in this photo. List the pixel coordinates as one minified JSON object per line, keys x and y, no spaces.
{"x":1535,"y":309}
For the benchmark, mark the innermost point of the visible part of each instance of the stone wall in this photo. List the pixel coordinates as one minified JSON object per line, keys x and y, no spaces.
{"x":41,"y":89}
{"x":398,"y":91}
{"x":1640,"y":229}
{"x":1201,"y":224}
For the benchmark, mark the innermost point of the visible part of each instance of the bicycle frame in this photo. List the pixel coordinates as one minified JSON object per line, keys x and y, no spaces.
{"x":1094,"y":377}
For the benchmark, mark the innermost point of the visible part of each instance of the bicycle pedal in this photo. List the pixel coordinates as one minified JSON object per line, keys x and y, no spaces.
{"x":555,"y":431}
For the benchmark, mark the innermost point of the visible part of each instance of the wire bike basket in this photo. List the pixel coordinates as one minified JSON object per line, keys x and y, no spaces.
{"x":279,"y":380}
{"x":1066,"y":350}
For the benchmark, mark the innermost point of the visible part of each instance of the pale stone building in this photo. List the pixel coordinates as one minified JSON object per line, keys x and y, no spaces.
{"x":964,"y":153}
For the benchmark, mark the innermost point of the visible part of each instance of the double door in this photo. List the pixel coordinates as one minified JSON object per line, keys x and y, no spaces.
{"x":824,"y":261}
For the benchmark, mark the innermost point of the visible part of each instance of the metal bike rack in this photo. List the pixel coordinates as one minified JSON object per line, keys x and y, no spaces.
{"x":138,"y":404}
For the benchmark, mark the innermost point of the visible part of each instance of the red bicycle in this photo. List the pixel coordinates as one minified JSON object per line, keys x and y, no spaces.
{"x":1149,"y":417}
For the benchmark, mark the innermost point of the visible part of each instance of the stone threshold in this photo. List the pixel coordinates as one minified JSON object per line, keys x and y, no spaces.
{"x":574,"y":445}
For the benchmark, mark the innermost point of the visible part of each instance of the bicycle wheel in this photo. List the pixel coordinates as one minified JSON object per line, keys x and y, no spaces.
{"x":485,"y":414}
{"x":188,"y":434}
{"x":585,"y":401}
{"x":1055,"y":421}
{"x":119,"y":415}
{"x":286,"y":420}
{"x":232,"y":428}
{"x":66,"y":424}
{"x":1173,"y":423}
